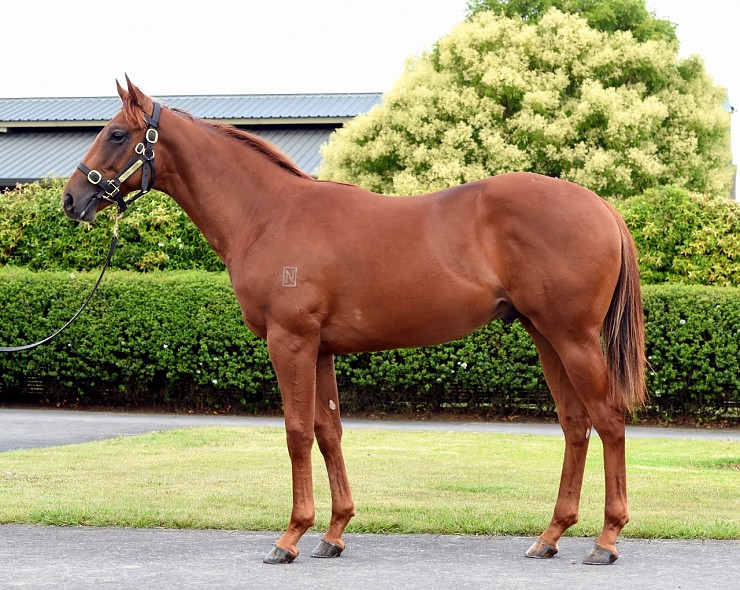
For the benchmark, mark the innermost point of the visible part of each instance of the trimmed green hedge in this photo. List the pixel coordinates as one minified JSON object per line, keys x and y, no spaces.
{"x":177,"y":339}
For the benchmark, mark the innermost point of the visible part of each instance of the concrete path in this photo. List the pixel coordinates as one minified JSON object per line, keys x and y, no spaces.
{"x":101,"y":558}
{"x":27,"y":429}
{"x":106,"y":558}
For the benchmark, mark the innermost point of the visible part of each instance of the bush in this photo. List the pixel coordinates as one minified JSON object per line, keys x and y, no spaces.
{"x":177,"y":339}
{"x":156,"y":234}
{"x":692,"y":338}
{"x":685,"y":238}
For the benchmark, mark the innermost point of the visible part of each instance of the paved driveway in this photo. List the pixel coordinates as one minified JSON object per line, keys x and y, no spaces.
{"x":26,"y":429}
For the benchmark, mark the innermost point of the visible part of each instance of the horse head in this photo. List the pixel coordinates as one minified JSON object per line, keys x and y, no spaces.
{"x":120,"y":160}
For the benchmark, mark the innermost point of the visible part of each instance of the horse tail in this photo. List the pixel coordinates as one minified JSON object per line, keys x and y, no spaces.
{"x":623,"y":333}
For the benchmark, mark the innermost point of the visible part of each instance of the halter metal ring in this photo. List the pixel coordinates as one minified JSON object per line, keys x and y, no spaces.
{"x":91,"y":176}
{"x":152,"y":135}
{"x":139,"y":149}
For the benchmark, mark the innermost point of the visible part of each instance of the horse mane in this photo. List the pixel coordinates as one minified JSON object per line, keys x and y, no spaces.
{"x":252,"y":141}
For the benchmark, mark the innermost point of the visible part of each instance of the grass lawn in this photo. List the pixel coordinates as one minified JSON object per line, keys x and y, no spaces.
{"x":403,"y":482}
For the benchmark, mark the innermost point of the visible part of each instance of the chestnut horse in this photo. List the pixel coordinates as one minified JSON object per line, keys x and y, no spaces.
{"x":322,"y":268}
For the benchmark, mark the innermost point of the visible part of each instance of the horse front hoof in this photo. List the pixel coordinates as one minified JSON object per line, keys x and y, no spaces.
{"x":279,"y":555}
{"x":541,"y":550}
{"x":325,"y":549}
{"x":600,"y":556}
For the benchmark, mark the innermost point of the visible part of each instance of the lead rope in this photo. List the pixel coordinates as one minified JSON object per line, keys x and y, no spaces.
{"x":111,"y":250}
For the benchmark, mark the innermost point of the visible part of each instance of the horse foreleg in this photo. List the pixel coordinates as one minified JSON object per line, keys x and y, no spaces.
{"x":328,"y":429}
{"x":576,"y":426}
{"x":294,"y":360}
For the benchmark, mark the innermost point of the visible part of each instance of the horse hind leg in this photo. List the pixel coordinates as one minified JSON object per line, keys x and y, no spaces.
{"x":585,"y":365}
{"x":576,"y":426}
{"x":328,"y":430}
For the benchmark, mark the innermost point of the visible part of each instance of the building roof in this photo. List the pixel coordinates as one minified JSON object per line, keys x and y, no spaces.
{"x":47,"y":137}
{"x":16,"y":112}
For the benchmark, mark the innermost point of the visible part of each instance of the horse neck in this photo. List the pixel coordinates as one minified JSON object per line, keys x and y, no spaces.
{"x":230,"y":191}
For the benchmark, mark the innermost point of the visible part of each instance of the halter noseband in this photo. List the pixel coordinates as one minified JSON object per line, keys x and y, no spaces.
{"x":143,"y":157}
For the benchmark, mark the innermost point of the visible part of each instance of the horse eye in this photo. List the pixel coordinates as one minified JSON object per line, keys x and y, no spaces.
{"x":118,"y":136}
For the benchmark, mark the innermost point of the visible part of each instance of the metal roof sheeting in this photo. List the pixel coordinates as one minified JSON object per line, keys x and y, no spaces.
{"x":31,"y":156}
{"x":25,"y":157}
{"x":238,"y":106}
{"x":43,"y":140}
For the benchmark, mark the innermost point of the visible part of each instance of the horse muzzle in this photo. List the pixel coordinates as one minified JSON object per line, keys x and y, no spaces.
{"x":87,"y":210}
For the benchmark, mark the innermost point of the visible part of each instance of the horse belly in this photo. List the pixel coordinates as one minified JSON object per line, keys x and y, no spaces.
{"x":408,"y":318}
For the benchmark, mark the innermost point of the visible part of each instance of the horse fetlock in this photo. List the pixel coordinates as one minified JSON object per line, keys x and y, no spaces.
{"x":615,"y":520}
{"x":300,"y":522}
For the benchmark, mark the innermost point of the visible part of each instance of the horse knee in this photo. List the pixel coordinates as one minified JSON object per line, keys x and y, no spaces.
{"x":577,"y":430}
{"x":611,"y":433}
{"x":328,"y":436}
{"x":299,"y":441}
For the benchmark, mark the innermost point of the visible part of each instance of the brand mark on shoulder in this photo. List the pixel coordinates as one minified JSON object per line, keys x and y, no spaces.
{"x":290,"y":276}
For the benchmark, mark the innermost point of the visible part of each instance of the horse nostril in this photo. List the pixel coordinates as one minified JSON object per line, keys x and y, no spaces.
{"x":68,"y":202}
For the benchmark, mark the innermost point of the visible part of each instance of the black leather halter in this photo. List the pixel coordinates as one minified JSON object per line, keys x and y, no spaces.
{"x":143,"y":157}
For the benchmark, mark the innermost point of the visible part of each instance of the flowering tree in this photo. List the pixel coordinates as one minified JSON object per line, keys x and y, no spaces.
{"x":603,"y":15}
{"x":553,"y":96}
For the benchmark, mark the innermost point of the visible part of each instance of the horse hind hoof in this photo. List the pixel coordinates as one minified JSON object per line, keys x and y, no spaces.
{"x":279,"y":555}
{"x":541,"y":550}
{"x":600,"y":556}
{"x":325,"y":549}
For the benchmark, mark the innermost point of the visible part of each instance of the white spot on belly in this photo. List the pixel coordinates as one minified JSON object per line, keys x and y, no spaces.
{"x":332,"y":405}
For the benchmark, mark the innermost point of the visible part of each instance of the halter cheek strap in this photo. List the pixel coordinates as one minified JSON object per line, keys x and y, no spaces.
{"x":143,"y":157}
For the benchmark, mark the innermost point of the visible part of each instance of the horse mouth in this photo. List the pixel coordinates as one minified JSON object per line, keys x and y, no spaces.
{"x":89,"y":213}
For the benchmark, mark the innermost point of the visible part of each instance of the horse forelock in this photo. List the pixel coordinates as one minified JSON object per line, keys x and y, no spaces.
{"x":133,"y":113}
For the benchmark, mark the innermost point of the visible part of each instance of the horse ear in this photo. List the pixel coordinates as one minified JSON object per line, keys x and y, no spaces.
{"x":121,"y":92}
{"x":138,"y":98}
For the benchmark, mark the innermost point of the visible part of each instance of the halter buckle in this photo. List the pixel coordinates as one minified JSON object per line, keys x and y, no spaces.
{"x":111,"y":194}
{"x":152,"y":135}
{"x":91,"y":177}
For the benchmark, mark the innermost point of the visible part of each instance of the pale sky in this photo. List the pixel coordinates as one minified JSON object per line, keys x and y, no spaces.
{"x":80,"y":47}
